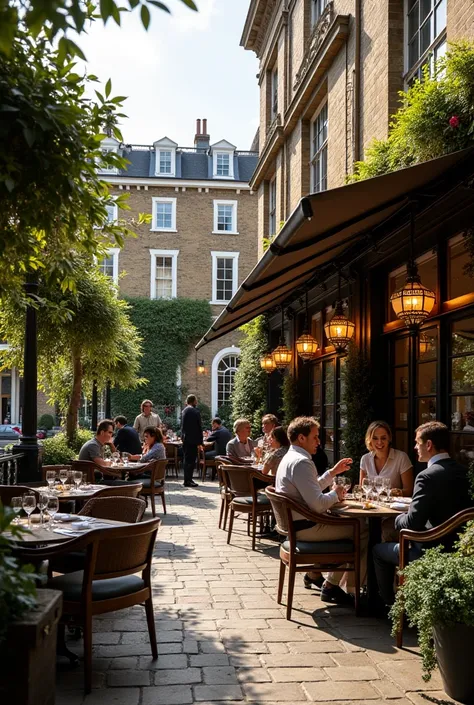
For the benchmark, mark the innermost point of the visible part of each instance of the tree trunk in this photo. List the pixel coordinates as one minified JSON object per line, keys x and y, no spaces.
{"x":75,"y":400}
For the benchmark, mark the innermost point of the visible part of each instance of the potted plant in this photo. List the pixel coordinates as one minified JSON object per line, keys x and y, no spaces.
{"x":28,"y":626}
{"x":437,"y":596}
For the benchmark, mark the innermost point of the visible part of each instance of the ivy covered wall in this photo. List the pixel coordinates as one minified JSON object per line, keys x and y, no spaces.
{"x":169,"y":329}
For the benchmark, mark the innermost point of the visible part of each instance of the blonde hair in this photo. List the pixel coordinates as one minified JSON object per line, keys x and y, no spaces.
{"x":369,"y":434}
{"x":239,"y":423}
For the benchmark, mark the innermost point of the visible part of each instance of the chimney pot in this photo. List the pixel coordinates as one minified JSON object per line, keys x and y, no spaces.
{"x":204,"y":126}
{"x":198,"y":126}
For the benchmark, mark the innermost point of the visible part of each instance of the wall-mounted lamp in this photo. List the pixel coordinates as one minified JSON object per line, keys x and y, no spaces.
{"x":200,"y":367}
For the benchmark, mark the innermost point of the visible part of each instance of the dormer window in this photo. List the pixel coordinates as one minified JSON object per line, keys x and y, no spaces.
{"x":109,"y":144}
{"x":223,"y":160}
{"x":165,"y":163}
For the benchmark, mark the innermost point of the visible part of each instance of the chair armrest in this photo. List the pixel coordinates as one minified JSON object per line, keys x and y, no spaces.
{"x":320,"y":518}
{"x":269,"y":479}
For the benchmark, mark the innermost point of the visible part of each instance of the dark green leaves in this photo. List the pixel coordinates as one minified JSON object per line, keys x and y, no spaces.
{"x":145,"y":16}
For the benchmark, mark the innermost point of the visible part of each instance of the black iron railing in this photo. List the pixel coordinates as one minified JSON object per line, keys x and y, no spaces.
{"x":9,"y":468}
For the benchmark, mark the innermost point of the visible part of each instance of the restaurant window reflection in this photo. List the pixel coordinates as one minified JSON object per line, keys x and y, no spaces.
{"x":462,"y":389}
{"x":327,"y":385}
{"x":459,"y":281}
{"x":427,"y":373}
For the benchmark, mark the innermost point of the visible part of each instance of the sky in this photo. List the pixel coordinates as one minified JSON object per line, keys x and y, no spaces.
{"x":188,"y":65}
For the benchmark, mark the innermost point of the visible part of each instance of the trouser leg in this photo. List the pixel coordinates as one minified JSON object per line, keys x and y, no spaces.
{"x":386,"y":561}
{"x":190,"y":457}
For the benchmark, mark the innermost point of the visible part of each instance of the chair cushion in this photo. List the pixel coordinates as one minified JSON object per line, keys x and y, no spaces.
{"x":71,"y":586}
{"x":340,"y":546}
{"x":261,"y":499}
{"x":147,"y":483}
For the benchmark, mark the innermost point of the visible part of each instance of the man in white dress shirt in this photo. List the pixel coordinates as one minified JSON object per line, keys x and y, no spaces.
{"x":297,"y":478}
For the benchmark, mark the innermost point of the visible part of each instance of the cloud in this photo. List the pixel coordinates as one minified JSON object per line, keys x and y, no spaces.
{"x":185,"y":20}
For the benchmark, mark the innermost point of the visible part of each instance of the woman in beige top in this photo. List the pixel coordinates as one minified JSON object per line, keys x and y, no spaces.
{"x":279,"y":445}
{"x":384,"y":461}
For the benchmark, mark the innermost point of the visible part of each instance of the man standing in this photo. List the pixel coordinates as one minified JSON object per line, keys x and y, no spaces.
{"x":298,"y":479}
{"x":220,"y":436}
{"x":126,"y":438}
{"x":146,"y":418}
{"x":191,"y":433}
{"x":441,"y":491}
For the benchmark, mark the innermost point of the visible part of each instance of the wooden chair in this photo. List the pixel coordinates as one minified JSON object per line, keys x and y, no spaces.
{"x":108,"y":581}
{"x":56,"y":468}
{"x":204,"y":463}
{"x":172,"y":457}
{"x":134,"y":489}
{"x":226,"y":495}
{"x":9,"y":491}
{"x":435,"y":534}
{"x":239,"y":482}
{"x":128,"y":509}
{"x":301,"y":556}
{"x":155,"y":484}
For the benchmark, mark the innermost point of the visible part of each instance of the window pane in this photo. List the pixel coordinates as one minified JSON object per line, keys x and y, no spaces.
{"x":462,"y":414}
{"x":440,"y":17}
{"x":164,"y":215}
{"x":427,"y":378}
{"x":401,"y":382}
{"x":111,"y":212}
{"x":463,"y":374}
{"x":106,"y":266}
{"x":224,"y":278}
{"x":463,"y":336}
{"x":225,"y":378}
{"x":401,"y":413}
{"x":426,"y":410}
{"x":223,"y":164}
{"x":462,"y":447}
{"x":413,"y":20}
{"x":225,"y":217}
{"x":165,"y":162}
{"x":427,"y":347}
{"x":401,"y":351}
{"x":401,"y":440}
{"x":164,"y":277}
{"x":459,"y":283}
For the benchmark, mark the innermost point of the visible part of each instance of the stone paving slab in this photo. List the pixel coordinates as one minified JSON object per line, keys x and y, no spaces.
{"x":223,"y":639}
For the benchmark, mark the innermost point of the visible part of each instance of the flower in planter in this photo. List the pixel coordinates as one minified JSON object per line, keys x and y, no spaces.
{"x":454,"y":121}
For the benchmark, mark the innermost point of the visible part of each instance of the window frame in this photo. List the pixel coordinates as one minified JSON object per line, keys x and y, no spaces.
{"x":112,"y":252}
{"x":154,"y":226}
{"x":412,"y":72}
{"x":233,"y":350}
{"x":110,"y":170}
{"x":234,"y":256}
{"x":221,"y":202}
{"x":174,"y":271}
{"x":317,"y":10}
{"x":317,"y":155}
{"x":158,"y":172}
{"x":272,"y":194}
{"x":115,"y":216}
{"x":274,"y":92}
{"x":230,"y":153}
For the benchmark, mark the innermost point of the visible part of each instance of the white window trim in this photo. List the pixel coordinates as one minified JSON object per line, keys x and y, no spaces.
{"x":174,"y":271}
{"x":114,"y":253}
{"x":230,"y":152}
{"x":214,"y":368}
{"x":173,"y":161}
{"x":312,"y":156}
{"x":115,"y":216}
{"x":235,"y":274}
{"x":154,"y":228}
{"x":234,"y":230}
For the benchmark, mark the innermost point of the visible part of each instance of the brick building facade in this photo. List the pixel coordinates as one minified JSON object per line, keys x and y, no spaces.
{"x":201,"y":243}
{"x":330,"y":73}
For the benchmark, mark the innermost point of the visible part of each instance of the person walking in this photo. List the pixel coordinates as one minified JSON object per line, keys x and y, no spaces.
{"x":146,"y":418}
{"x":191,"y":433}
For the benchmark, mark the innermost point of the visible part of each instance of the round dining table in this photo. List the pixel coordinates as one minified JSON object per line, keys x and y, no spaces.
{"x":62,"y":531}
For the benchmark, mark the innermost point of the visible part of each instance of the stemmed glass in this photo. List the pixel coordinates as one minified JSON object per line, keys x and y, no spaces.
{"x":42,"y":504}
{"x":63,"y":476}
{"x":386,"y":485}
{"x":51,"y":509}
{"x":29,"y":505}
{"x":50,"y":478}
{"x":367,"y":487}
{"x":125,"y":458}
{"x":357,"y":492}
{"x":16,"y":505}
{"x":378,"y":487}
{"x":115,"y":458}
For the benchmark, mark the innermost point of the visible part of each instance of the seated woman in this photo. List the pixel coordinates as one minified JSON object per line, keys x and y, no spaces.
{"x":153,"y":448}
{"x":384,"y":461}
{"x":279,"y":445}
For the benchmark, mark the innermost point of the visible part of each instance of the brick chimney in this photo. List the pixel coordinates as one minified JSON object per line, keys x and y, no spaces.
{"x":201,"y":138}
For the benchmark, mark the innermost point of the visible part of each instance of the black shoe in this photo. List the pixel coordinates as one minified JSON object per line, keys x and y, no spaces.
{"x":191,"y":484}
{"x":313,"y":582}
{"x":336,"y":595}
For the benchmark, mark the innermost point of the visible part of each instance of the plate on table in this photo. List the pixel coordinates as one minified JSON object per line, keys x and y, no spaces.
{"x":66,"y":518}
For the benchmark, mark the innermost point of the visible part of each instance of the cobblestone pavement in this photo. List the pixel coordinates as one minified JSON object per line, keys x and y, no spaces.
{"x":222,"y":638}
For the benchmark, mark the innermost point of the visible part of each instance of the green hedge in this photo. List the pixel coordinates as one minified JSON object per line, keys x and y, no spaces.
{"x":169,"y":329}
{"x":56,"y":450}
{"x":249,"y":398}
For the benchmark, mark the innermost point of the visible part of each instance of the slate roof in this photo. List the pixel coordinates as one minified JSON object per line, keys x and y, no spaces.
{"x":190,"y":163}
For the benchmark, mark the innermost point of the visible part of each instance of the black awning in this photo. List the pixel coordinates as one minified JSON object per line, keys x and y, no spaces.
{"x":327,"y":224}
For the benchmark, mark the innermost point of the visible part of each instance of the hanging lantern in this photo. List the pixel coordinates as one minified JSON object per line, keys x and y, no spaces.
{"x":267,"y":363}
{"x":425,"y":345}
{"x":339,"y":330}
{"x":414,"y":302}
{"x":282,"y":355}
{"x":306,"y":345}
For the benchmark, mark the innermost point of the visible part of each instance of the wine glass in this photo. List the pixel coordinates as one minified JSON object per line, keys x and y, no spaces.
{"x":50,"y":478}
{"x":357,"y":492}
{"x":386,"y":485}
{"x":16,"y":505}
{"x":125,"y":458}
{"x":115,"y":458}
{"x":77,"y":478}
{"x":29,"y":505}
{"x":366,"y":487}
{"x":63,"y":476}
{"x":51,"y":509}
{"x":42,"y":504}
{"x":378,"y":486}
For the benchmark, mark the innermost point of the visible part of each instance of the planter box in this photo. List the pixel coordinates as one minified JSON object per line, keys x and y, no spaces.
{"x":28,"y":657}
{"x":453,"y":652}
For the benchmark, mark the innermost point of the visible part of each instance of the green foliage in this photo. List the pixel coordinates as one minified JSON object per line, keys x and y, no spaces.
{"x":470,"y":476}
{"x":250,"y":386}
{"x":423,"y":127}
{"x":289,"y":399}
{"x":80,"y":437}
{"x":168,"y":330}
{"x":356,"y":393}
{"x":46,"y":421}
{"x":465,"y":545}
{"x":58,"y":16}
{"x":224,"y":413}
{"x":17,"y":581}
{"x":206,"y":415}
{"x":438,"y":590}
{"x":56,"y":450}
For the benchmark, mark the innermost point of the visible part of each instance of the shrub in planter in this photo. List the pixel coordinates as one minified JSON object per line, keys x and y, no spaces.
{"x":438,"y":598}
{"x":46,"y":421}
{"x":56,"y":451}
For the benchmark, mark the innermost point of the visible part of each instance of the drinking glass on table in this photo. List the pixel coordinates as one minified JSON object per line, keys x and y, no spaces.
{"x":125,"y":457}
{"x":385,"y":493}
{"x":378,"y":487}
{"x":16,"y":505}
{"x":367,"y":487}
{"x":50,"y":478}
{"x":29,"y":505}
{"x":77,"y":478}
{"x":357,"y":492}
{"x":51,"y":508}
{"x":63,"y":476}
{"x":115,"y":457}
{"x":42,"y":504}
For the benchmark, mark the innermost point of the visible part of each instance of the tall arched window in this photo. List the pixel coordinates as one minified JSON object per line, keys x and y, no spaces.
{"x":224,"y":367}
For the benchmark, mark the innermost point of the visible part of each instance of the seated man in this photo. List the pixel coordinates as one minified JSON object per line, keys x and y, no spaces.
{"x":441,"y":491}
{"x":240,"y":448}
{"x":298,"y":479}
{"x":220,"y":436}
{"x":93,"y":450}
{"x":126,"y":439}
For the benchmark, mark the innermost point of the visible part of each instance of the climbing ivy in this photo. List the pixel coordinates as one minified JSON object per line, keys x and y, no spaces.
{"x":289,"y":402}
{"x":250,"y":388}
{"x":357,"y":390}
{"x":169,"y":329}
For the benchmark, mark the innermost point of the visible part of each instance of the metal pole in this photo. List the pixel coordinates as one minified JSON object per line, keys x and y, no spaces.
{"x":108,"y":402}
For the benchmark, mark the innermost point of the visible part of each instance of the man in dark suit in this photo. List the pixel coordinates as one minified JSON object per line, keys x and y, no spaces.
{"x":221,"y":436}
{"x":126,"y":439}
{"x":191,"y":433}
{"x":441,"y":491}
